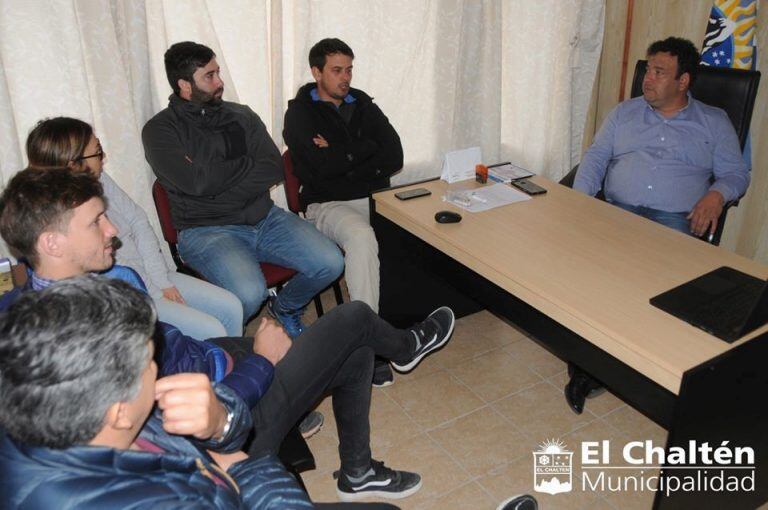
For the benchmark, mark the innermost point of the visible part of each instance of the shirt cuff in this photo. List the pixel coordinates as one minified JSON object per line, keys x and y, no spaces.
{"x":725,"y":190}
{"x":250,"y":378}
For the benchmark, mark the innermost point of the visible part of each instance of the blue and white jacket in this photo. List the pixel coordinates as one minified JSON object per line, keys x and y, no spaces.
{"x":169,"y":472}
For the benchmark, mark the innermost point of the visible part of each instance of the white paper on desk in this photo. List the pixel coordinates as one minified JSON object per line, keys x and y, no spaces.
{"x":460,"y":165}
{"x":490,"y":197}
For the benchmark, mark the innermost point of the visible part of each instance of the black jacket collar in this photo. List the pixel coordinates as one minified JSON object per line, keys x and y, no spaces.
{"x":191,"y":108}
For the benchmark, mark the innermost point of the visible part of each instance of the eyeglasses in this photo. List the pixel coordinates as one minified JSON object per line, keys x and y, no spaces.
{"x":99,"y":155}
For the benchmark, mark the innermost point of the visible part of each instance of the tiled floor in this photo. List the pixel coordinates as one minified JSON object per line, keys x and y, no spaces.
{"x":468,"y":418}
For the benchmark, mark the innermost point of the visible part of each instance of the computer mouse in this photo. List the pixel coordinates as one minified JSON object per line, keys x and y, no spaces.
{"x":447,"y":217}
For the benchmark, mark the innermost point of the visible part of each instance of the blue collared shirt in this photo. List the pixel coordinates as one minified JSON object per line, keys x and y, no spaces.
{"x":38,"y":282}
{"x":664,"y":163}
{"x":115,"y":272}
{"x":349,"y":98}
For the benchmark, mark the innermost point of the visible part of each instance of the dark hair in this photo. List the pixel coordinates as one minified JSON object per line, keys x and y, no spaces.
{"x":326,"y":47}
{"x":688,"y":56}
{"x":58,"y":141}
{"x":36,"y":200}
{"x":183,"y":59}
{"x":67,"y":353}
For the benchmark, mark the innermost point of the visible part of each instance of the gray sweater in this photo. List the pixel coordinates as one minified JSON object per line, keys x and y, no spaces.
{"x":217,"y":163}
{"x":140,"y":249}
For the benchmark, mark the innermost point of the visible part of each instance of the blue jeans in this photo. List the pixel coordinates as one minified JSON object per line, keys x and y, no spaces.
{"x":209,"y":312}
{"x":675,"y":220}
{"x":229,"y":256}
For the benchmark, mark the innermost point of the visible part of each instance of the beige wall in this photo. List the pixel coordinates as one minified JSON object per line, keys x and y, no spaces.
{"x":746,"y":230}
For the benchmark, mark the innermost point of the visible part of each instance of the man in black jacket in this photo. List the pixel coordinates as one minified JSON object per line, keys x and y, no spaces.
{"x":342,"y":147}
{"x":218,"y":163}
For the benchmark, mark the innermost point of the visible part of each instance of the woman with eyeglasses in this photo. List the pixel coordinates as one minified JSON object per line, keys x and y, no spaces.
{"x":198,"y":308}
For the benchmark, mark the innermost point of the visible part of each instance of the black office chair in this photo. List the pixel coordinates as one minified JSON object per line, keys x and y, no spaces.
{"x":733,"y":90}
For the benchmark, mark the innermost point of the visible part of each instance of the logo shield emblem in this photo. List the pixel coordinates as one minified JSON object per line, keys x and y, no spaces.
{"x":552,"y":468}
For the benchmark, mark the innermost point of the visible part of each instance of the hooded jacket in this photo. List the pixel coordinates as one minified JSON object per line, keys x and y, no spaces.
{"x":360,"y":157}
{"x":217,"y":162}
{"x":173,"y":473}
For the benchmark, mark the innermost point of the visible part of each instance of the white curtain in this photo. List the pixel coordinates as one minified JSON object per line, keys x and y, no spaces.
{"x":512,"y":76}
{"x":84,"y":59}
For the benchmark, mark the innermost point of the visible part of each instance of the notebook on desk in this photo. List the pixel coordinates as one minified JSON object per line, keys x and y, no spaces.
{"x":725,"y":303}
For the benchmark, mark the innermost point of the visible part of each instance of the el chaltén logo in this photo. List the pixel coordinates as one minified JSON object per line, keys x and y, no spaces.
{"x":692,"y":467}
{"x":552,"y":468}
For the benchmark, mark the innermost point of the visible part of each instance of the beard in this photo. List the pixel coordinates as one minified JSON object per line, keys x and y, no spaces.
{"x":208,"y":98}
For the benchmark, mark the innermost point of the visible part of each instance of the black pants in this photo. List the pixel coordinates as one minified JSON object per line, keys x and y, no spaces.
{"x":334,"y":355}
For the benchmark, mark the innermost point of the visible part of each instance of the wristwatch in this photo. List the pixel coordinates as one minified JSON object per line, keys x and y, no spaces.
{"x":227,"y":426}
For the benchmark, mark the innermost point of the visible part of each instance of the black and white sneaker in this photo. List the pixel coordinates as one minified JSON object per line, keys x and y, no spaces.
{"x":382,"y":374}
{"x":430,"y":335}
{"x":380,"y":481}
{"x":524,"y":502}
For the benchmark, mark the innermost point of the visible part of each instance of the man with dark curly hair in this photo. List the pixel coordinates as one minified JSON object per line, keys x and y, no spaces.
{"x":664,"y":156}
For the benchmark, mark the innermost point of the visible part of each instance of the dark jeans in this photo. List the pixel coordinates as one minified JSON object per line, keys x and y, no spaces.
{"x":334,"y":355}
{"x":675,"y":220}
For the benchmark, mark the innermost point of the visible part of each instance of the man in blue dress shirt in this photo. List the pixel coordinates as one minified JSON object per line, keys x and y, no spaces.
{"x":665,"y":156}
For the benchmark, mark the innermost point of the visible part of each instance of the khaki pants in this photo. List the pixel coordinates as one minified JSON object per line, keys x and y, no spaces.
{"x":348,"y":224}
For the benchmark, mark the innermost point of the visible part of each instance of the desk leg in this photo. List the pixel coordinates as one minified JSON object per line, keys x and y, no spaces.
{"x":410,"y":287}
{"x":724,"y":399}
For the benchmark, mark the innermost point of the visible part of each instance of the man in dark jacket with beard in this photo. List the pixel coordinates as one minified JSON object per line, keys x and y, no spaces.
{"x":343,"y":148}
{"x":218,"y":163}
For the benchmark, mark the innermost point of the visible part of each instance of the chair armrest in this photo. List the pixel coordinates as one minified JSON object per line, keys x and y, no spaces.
{"x":568,"y":179}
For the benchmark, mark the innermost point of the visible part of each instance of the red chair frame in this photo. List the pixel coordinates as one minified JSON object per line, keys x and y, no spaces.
{"x":275,"y":276}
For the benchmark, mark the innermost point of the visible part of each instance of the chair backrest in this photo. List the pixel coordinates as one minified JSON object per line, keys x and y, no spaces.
{"x":292,"y":185}
{"x":163,"y":207}
{"x":733,"y":90}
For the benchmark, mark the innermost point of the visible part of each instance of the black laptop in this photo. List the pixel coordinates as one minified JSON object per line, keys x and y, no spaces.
{"x":725,"y":303}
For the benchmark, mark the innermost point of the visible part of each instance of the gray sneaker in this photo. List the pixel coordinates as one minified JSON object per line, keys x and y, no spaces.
{"x":311,"y":424}
{"x":430,"y":335}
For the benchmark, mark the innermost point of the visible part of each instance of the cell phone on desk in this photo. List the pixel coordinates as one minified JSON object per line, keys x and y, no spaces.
{"x":413,"y":193}
{"x":528,"y":187}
